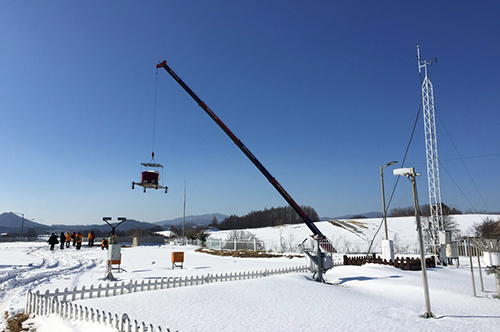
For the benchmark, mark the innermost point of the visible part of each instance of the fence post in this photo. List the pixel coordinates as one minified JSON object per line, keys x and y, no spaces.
{"x":52,"y":305}
{"x":27,"y":306}
{"x":82,"y":294}
{"x":65,"y":294}
{"x":34,"y":304}
{"x":45,"y":302}
{"x":130,"y":286}
{"x":69,"y":310}
{"x":116,"y":321}
{"x":73,"y":295}
{"x":109,"y":317}
{"x":37,"y":303}
{"x":57,"y":307}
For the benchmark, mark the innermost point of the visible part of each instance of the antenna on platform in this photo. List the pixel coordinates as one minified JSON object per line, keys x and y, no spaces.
{"x":419,"y":60}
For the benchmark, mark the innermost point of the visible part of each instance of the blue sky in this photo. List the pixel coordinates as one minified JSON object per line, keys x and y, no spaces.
{"x":321,"y":92}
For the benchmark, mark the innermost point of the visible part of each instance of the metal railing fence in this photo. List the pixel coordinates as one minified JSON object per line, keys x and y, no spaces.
{"x":342,"y":246}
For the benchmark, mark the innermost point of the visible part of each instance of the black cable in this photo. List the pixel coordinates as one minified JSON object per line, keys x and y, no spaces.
{"x":402,"y":164}
{"x":473,"y":157}
{"x":475,"y":211}
{"x":465,"y":166}
{"x":397,"y":180}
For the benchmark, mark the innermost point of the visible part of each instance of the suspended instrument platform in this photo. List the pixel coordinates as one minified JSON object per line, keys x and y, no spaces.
{"x":150,"y":178}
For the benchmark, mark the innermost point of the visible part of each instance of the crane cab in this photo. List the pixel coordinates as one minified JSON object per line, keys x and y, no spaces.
{"x":150,"y":177}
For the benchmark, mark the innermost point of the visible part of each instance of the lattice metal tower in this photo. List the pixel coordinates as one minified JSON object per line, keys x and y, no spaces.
{"x":435,"y":205}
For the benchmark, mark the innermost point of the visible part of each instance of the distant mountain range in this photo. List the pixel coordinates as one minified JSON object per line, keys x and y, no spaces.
{"x":12,"y":223}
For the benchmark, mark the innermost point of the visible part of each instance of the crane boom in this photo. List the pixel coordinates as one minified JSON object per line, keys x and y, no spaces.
{"x":247,"y":153}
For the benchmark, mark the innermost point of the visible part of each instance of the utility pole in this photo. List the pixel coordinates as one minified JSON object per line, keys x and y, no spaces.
{"x":184,"y":217}
{"x":411,"y":174}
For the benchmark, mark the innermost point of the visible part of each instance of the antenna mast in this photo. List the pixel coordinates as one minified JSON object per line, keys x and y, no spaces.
{"x":436,"y":208}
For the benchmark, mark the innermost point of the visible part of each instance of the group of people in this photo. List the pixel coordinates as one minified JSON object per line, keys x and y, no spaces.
{"x":75,"y":238}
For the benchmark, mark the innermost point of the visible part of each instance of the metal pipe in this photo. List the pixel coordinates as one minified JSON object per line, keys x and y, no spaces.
{"x":471,"y":268}
{"x":384,"y":216}
{"x":428,"y":313}
{"x":480,"y":273}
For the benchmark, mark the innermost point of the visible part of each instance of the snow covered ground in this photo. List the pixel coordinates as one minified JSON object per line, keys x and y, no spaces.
{"x":371,"y":297}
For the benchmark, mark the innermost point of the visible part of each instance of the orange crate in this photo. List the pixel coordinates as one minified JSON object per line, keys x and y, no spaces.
{"x":177,"y":259}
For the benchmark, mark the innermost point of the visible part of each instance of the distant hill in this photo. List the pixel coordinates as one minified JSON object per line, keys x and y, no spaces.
{"x":203,"y":220}
{"x":12,"y":223}
{"x":367,"y":215}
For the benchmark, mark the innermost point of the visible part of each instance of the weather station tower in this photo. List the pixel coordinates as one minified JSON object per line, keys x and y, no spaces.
{"x":435,"y":225}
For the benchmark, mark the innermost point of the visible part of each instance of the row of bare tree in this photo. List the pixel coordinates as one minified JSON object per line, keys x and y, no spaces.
{"x":267,"y":217}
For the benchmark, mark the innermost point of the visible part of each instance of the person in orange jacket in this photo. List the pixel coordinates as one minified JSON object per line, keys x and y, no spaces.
{"x":91,"y":238}
{"x":78,"y":240}
{"x":104,"y":244}
{"x":68,"y":239}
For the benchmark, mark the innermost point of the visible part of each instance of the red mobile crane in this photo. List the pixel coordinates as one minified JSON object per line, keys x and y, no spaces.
{"x":322,"y":264}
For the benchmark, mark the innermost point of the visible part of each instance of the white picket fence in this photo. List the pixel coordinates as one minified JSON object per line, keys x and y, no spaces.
{"x":42,"y":305}
{"x":59,"y":302}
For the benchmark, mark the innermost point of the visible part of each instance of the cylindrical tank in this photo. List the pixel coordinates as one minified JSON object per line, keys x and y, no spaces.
{"x":150,"y":177}
{"x":491,"y":258}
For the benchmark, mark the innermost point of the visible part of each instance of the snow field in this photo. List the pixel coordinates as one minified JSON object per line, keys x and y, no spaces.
{"x":370,"y":297}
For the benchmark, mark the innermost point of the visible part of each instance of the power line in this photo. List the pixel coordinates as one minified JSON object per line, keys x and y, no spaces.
{"x":459,"y":189}
{"x":473,"y":157}
{"x":397,"y":179}
{"x":462,"y":158}
{"x":463,"y":163}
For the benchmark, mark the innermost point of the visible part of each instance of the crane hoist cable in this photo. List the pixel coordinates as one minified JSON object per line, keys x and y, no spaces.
{"x":154,"y":117}
{"x":152,"y":172}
